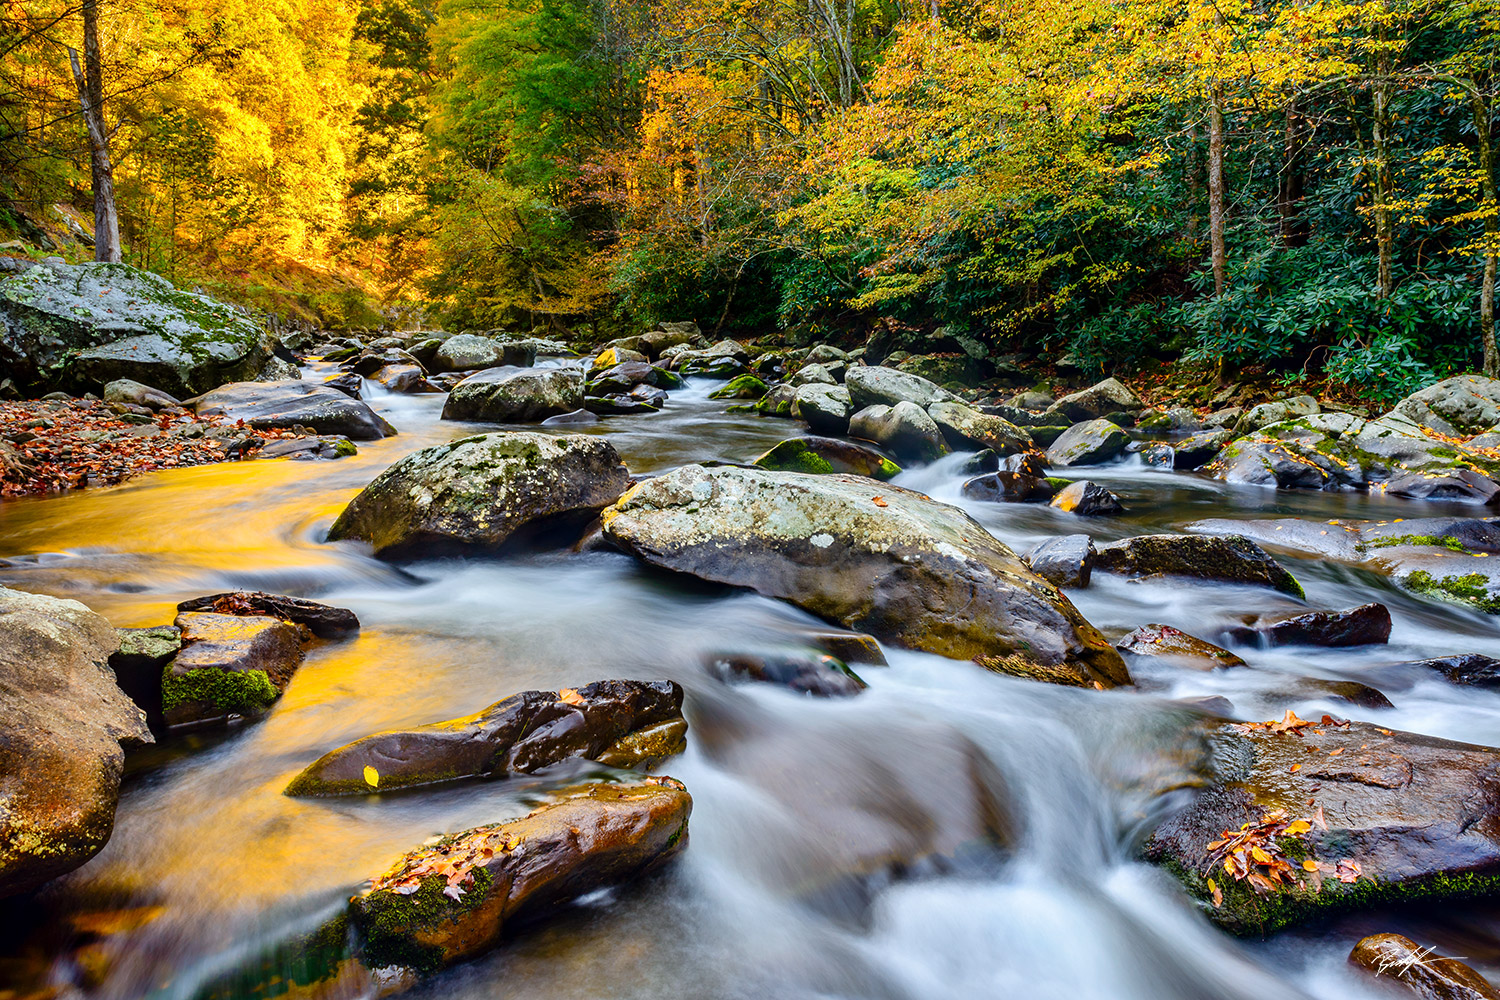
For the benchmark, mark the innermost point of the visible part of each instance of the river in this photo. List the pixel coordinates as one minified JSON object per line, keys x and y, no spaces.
{"x":209,"y":860}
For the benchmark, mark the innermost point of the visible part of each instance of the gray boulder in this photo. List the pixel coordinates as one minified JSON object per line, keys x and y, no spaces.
{"x":826,"y":408}
{"x":1100,"y":400}
{"x":470,"y":352}
{"x":870,"y":556}
{"x":125,"y":390}
{"x":482,"y":493}
{"x":77,"y":327}
{"x":904,"y":429}
{"x":265,"y":405}
{"x":963,"y":427}
{"x":1087,"y":444}
{"x":813,"y":375}
{"x":1274,"y":413}
{"x":872,"y":385}
{"x":1457,"y":407}
{"x":516,"y":395}
{"x":63,"y":723}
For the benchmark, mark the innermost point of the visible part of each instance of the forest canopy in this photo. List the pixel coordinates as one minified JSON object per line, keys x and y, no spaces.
{"x":1308,"y":185}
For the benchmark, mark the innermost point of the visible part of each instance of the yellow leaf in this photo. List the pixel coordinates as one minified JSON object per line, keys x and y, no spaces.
{"x":1300,"y":826}
{"x":1309,"y":865}
{"x":372,"y":776}
{"x":1260,"y":855}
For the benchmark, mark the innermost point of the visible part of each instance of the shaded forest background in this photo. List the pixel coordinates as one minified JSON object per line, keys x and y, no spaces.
{"x":1304,"y":185}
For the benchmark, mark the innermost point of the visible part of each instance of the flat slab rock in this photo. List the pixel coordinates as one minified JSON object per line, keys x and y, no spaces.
{"x":324,"y":620}
{"x":228,"y":665}
{"x":1226,"y":559}
{"x":621,"y":723}
{"x":1390,"y":816}
{"x":869,"y":556}
{"x":294,"y":401}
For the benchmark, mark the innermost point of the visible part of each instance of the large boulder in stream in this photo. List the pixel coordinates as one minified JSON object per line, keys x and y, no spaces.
{"x":515,"y":395}
{"x":872,"y":385}
{"x":63,"y":723}
{"x":1344,"y":815}
{"x":76,"y":327}
{"x":965,"y":427}
{"x":904,"y":429}
{"x":870,"y":556}
{"x":266,"y":405}
{"x":1455,"y":407}
{"x":1099,"y":400}
{"x":484,"y":493}
{"x":620,"y":723}
{"x":468,"y":352}
{"x":820,"y":456}
{"x":1227,"y":559}
{"x":228,"y":666}
{"x":1087,"y":444}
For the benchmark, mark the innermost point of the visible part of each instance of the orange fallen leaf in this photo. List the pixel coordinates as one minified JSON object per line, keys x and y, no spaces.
{"x":879,"y":501}
{"x":570,"y":696}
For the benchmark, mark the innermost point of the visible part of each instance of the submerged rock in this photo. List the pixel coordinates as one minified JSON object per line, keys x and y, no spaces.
{"x":869,"y":556}
{"x":821,"y":456}
{"x":622,"y":723}
{"x":1065,"y":561}
{"x":317,"y":406}
{"x":1362,"y":816}
{"x":229,"y":665}
{"x":1171,"y":645}
{"x":324,"y":620}
{"x":1424,"y":973}
{"x":1228,"y":559}
{"x":816,"y":674}
{"x":483,"y":493}
{"x":515,"y":395}
{"x":1365,"y":625}
{"x":63,"y":723}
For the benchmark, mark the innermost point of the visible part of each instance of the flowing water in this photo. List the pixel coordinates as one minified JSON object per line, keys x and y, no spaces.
{"x":209,"y":861}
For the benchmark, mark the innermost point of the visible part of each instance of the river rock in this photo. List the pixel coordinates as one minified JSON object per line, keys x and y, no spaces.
{"x":1453,"y":484}
{"x":348,"y":383}
{"x":826,"y":408}
{"x":904,"y":429}
{"x":1007,"y":487}
{"x":1087,"y":499}
{"x":63,"y":724}
{"x":1197,"y":450}
{"x":656,"y":342}
{"x":963,"y":427}
{"x":1365,"y":625}
{"x":371,"y":361}
{"x":622,"y":723}
{"x":1388,"y":816}
{"x":725,"y":359}
{"x":515,"y":395}
{"x":872,"y":557}
{"x":229,"y":665}
{"x":820,"y":456}
{"x":1065,"y":561}
{"x":1227,"y":559}
{"x":266,"y":405}
{"x":1275,"y":412}
{"x":403,"y":379}
{"x":824,"y":353}
{"x":1088,"y":443}
{"x":1100,"y":400}
{"x":626,"y":375}
{"x":820,"y":675}
{"x":1423,"y":973}
{"x":138,"y":665}
{"x":468,"y":352}
{"x":1170,"y":645}
{"x":1463,"y":668}
{"x":1456,"y":407}
{"x":813,"y":374}
{"x":741,"y":387}
{"x":124,"y":390}
{"x":78,"y":327}
{"x":324,"y":620}
{"x":483,"y":493}
{"x":872,"y":385}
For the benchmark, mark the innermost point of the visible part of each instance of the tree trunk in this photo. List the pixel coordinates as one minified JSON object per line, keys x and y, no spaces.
{"x":1289,"y":189}
{"x":90,"y":81}
{"x":1217,"y":251}
{"x":1380,"y":141}
{"x":1481,"y":108}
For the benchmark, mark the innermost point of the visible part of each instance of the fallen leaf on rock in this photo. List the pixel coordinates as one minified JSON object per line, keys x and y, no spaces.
{"x":372,"y":776}
{"x":879,"y":501}
{"x":570,"y":696}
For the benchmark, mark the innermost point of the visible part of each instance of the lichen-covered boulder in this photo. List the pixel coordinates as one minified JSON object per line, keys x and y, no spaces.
{"x":869,"y":556}
{"x":482,"y":493}
{"x":266,"y":405}
{"x":965,"y":427}
{"x":1087,"y":444}
{"x":77,"y":327}
{"x":1350,"y":815}
{"x":469,"y":352}
{"x":229,"y":665}
{"x":1227,"y":559}
{"x":1275,"y":412}
{"x":904,"y":429}
{"x":825,"y":408}
{"x":515,"y":395}
{"x":1099,"y":400}
{"x":63,"y":723}
{"x":872,"y":385}
{"x":623,"y":723}
{"x":820,"y":456}
{"x":1457,"y":407}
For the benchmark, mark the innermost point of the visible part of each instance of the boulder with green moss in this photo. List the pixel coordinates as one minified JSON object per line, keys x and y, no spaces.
{"x":621,"y":723}
{"x":740,"y":387}
{"x":870,"y":556}
{"x":965,"y":427}
{"x":1090,"y":443}
{"x":63,"y":726}
{"x":820,"y":456}
{"x":825,"y":408}
{"x":78,"y":327}
{"x":229,"y":665}
{"x":1358,"y":817}
{"x":904,"y":429}
{"x":1225,"y":559}
{"x":483,"y":493}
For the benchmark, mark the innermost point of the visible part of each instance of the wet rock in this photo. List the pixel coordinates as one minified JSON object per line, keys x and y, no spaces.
{"x":1065,"y":561}
{"x":1423,"y":973}
{"x":821,"y":456}
{"x":1167,"y":644}
{"x":1456,"y":407}
{"x":81,"y":326}
{"x":741,"y":387}
{"x":1274,"y":413}
{"x":229,"y":665}
{"x":1159,"y":456}
{"x":1391,"y":817}
{"x":371,"y":361}
{"x":1087,"y":499}
{"x":468,"y":352}
{"x":627,"y":375}
{"x":125,"y":390}
{"x":1227,"y":559}
{"x":1454,"y":484}
{"x":515,"y":395}
{"x":1100,"y":400}
{"x":963,"y":426}
{"x":324,"y":620}
{"x":813,"y":374}
{"x":821,"y":675}
{"x":571,"y":419}
{"x":1024,"y":463}
{"x":904,"y":429}
{"x":403,"y":379}
{"x":63,"y":723}
{"x":1345,"y":692}
{"x":850,"y":647}
{"x":138,"y":664}
{"x":872,"y":385}
{"x":1007,"y":487}
{"x":606,"y":721}
{"x":1045,"y":435}
{"x":778,"y":402}
{"x":1463,"y":668}
{"x":725,"y":359}
{"x":1197,"y":450}
{"x":611,"y":356}
{"x":826,"y":408}
{"x":869,"y":556}
{"x":309,"y":448}
{"x":484,"y":493}
{"x":1365,"y":625}
{"x":265,"y":405}
{"x":1088,"y":443}
{"x":348,"y":383}
{"x":621,"y":404}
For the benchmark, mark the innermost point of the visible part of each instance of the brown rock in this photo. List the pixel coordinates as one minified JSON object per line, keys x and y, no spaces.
{"x":1177,"y":647}
{"x":1424,"y":973}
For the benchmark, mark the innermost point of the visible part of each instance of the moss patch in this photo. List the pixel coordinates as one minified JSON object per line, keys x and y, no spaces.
{"x":236,"y":691}
{"x":1445,"y":541}
{"x":390,"y":923}
{"x":1472,"y":589}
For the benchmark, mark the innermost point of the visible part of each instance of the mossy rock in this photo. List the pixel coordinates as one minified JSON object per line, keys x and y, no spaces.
{"x":823,"y":456}
{"x":741,"y":387}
